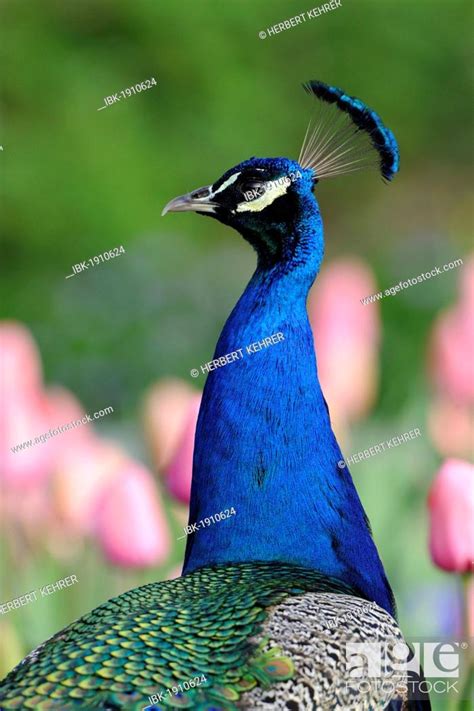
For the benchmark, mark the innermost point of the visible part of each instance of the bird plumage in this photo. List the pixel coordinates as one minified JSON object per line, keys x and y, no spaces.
{"x":262,"y":445}
{"x":253,"y":611}
{"x":351,"y":138}
{"x":228,"y":623}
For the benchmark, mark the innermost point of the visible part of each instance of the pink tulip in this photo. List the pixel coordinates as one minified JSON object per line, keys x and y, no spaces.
{"x":453,"y":355}
{"x":346,"y":335}
{"x":165,"y":415}
{"x":82,"y":473}
{"x":24,"y":411}
{"x":28,"y":510}
{"x":451,"y":507}
{"x":20,"y":365}
{"x":65,"y":409}
{"x":82,"y":464}
{"x":451,"y":427}
{"x":179,"y":471}
{"x":130,"y":523}
{"x":452,"y":347}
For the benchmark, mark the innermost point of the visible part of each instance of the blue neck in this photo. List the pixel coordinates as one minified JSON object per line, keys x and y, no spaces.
{"x":264,"y":443}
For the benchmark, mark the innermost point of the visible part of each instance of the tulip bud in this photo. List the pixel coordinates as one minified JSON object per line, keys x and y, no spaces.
{"x":165,"y":414}
{"x":179,"y":471}
{"x":451,"y":507}
{"x":131,"y":525}
{"x":346,"y":336}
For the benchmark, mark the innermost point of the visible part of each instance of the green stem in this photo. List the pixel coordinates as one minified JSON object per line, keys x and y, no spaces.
{"x":467,"y":680}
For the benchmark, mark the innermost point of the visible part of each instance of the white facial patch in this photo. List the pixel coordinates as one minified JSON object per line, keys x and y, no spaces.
{"x":226,"y":184}
{"x":273,"y":190}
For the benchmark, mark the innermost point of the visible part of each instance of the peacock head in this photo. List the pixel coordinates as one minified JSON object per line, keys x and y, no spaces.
{"x":268,"y":200}
{"x":261,"y":198}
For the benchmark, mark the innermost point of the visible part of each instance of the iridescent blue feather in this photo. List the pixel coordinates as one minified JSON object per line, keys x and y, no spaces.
{"x":322,"y":152}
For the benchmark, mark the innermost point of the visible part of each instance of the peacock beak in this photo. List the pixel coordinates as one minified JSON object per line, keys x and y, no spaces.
{"x":199,"y":201}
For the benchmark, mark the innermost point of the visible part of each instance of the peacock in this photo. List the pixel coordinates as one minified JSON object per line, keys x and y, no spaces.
{"x":273,"y":599}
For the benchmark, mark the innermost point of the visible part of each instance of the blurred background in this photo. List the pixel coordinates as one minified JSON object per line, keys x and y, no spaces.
{"x":108,"y":501}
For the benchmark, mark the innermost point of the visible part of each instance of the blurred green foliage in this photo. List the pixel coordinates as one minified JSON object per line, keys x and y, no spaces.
{"x":79,"y":182}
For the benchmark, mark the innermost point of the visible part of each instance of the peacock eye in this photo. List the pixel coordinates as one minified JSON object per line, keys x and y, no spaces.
{"x":200,"y":193}
{"x":252,"y":189}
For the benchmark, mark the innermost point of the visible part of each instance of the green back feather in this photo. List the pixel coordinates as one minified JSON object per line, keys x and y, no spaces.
{"x":156,"y":636}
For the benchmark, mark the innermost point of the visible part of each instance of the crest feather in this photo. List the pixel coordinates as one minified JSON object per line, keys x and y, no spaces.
{"x":345,"y":135}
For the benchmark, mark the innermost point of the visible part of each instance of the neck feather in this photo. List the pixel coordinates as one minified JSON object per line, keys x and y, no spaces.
{"x":264,"y":445}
